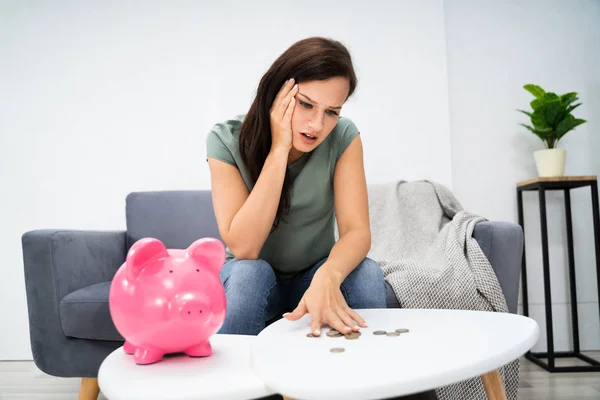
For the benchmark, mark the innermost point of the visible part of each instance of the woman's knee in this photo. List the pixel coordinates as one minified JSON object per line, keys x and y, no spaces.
{"x":250,"y":274}
{"x":365,"y":286}
{"x":247,"y":284}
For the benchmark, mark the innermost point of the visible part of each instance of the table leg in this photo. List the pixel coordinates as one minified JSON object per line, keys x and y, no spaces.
{"x":596,"y":224}
{"x":493,"y":385}
{"x":89,"y":389}
{"x":547,"y":285}
{"x":524,"y":255}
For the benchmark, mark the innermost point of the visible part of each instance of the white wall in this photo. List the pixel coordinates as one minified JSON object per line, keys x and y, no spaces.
{"x":100,"y":99}
{"x":494,"y":48}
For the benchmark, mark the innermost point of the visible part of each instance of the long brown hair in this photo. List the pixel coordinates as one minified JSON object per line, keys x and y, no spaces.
{"x":315,"y":58}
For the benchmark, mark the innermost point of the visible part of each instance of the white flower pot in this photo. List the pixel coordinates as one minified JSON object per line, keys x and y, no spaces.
{"x":550,"y":162}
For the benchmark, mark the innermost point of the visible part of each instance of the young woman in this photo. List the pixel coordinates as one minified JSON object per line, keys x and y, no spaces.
{"x":280,"y":174}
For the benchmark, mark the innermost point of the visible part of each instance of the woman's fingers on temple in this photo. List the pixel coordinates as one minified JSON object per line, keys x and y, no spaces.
{"x":288,"y":98}
{"x":290,"y":110}
{"x":285,"y":89}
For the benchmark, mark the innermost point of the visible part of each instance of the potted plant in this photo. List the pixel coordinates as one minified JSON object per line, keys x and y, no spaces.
{"x":551,"y":119}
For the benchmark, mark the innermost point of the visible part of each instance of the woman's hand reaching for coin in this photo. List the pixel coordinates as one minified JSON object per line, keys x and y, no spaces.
{"x":325,"y":303}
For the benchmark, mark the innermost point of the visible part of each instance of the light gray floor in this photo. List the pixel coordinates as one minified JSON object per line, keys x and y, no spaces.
{"x":22,"y":380}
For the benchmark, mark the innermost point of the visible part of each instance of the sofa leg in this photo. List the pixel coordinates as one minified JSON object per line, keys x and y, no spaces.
{"x":89,"y":389}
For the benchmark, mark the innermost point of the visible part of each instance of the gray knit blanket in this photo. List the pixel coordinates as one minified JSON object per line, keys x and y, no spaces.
{"x":422,"y":240}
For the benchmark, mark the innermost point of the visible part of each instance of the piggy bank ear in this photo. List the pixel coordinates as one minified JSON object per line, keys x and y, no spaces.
{"x":208,"y":251}
{"x":143,"y":251}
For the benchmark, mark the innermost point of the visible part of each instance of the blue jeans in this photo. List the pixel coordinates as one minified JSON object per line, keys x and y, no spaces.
{"x":255,"y":296}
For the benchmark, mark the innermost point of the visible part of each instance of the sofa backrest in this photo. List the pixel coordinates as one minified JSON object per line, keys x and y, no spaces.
{"x":177,"y":218}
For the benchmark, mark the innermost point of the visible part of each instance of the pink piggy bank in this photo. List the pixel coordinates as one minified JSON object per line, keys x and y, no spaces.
{"x":169,"y":301}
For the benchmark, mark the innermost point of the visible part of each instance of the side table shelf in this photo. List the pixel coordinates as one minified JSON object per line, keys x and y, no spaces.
{"x":564,"y":184}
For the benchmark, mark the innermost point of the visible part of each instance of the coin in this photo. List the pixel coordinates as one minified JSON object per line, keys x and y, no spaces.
{"x":337,"y":350}
{"x":352,"y":335}
{"x":333,"y":333}
{"x":379,"y":333}
{"x":393,"y":333}
{"x":310,"y":335}
{"x":402,"y":330}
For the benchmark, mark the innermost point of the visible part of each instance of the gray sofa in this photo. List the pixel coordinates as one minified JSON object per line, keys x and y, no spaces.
{"x":68,"y":273}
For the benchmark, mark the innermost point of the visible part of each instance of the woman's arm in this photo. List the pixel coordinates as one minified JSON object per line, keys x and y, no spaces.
{"x":245,"y":218}
{"x":352,"y":214}
{"x":323,"y":299}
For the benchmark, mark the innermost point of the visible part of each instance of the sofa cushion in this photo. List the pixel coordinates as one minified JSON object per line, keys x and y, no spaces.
{"x":176,"y":218}
{"x":391,"y":299}
{"x":84,"y":314}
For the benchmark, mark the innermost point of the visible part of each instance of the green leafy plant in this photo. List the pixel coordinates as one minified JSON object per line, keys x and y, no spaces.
{"x":551,"y":117}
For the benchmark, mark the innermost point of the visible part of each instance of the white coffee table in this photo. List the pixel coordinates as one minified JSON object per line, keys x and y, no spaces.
{"x":441,"y":347}
{"x":226,"y":374}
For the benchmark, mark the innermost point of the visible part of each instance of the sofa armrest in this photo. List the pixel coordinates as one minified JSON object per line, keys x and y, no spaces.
{"x":56,"y":263}
{"x":71,"y":260}
{"x":502,"y":244}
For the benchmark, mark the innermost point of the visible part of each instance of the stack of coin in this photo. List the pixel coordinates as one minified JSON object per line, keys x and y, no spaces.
{"x":352,"y":335}
{"x":334,"y":333}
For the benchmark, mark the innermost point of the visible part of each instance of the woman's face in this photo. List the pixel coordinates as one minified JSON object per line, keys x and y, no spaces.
{"x":318,"y":105}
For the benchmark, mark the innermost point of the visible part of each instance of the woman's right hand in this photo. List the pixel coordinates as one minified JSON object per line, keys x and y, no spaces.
{"x":281,"y":116}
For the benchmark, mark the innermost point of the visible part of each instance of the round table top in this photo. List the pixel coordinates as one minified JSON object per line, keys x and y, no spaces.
{"x":226,"y":374}
{"x":440,"y":348}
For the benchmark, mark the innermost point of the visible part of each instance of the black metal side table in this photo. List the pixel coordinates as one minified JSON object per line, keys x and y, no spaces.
{"x":565,"y":184}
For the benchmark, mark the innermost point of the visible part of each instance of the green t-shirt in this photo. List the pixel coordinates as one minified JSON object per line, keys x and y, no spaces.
{"x":309,"y":234}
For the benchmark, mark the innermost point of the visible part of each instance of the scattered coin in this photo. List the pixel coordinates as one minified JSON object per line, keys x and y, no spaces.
{"x":333,"y":333}
{"x":337,"y":350}
{"x":352,"y":335}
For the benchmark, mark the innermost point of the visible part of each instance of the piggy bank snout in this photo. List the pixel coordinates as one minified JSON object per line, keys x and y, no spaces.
{"x":192,"y":307}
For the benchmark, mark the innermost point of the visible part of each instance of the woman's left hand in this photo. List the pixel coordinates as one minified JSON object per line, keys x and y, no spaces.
{"x":325,"y":303}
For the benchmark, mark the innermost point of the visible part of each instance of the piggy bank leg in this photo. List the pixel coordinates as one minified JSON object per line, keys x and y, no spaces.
{"x":144,"y":355}
{"x":199,"y":350}
{"x":128,"y":348}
